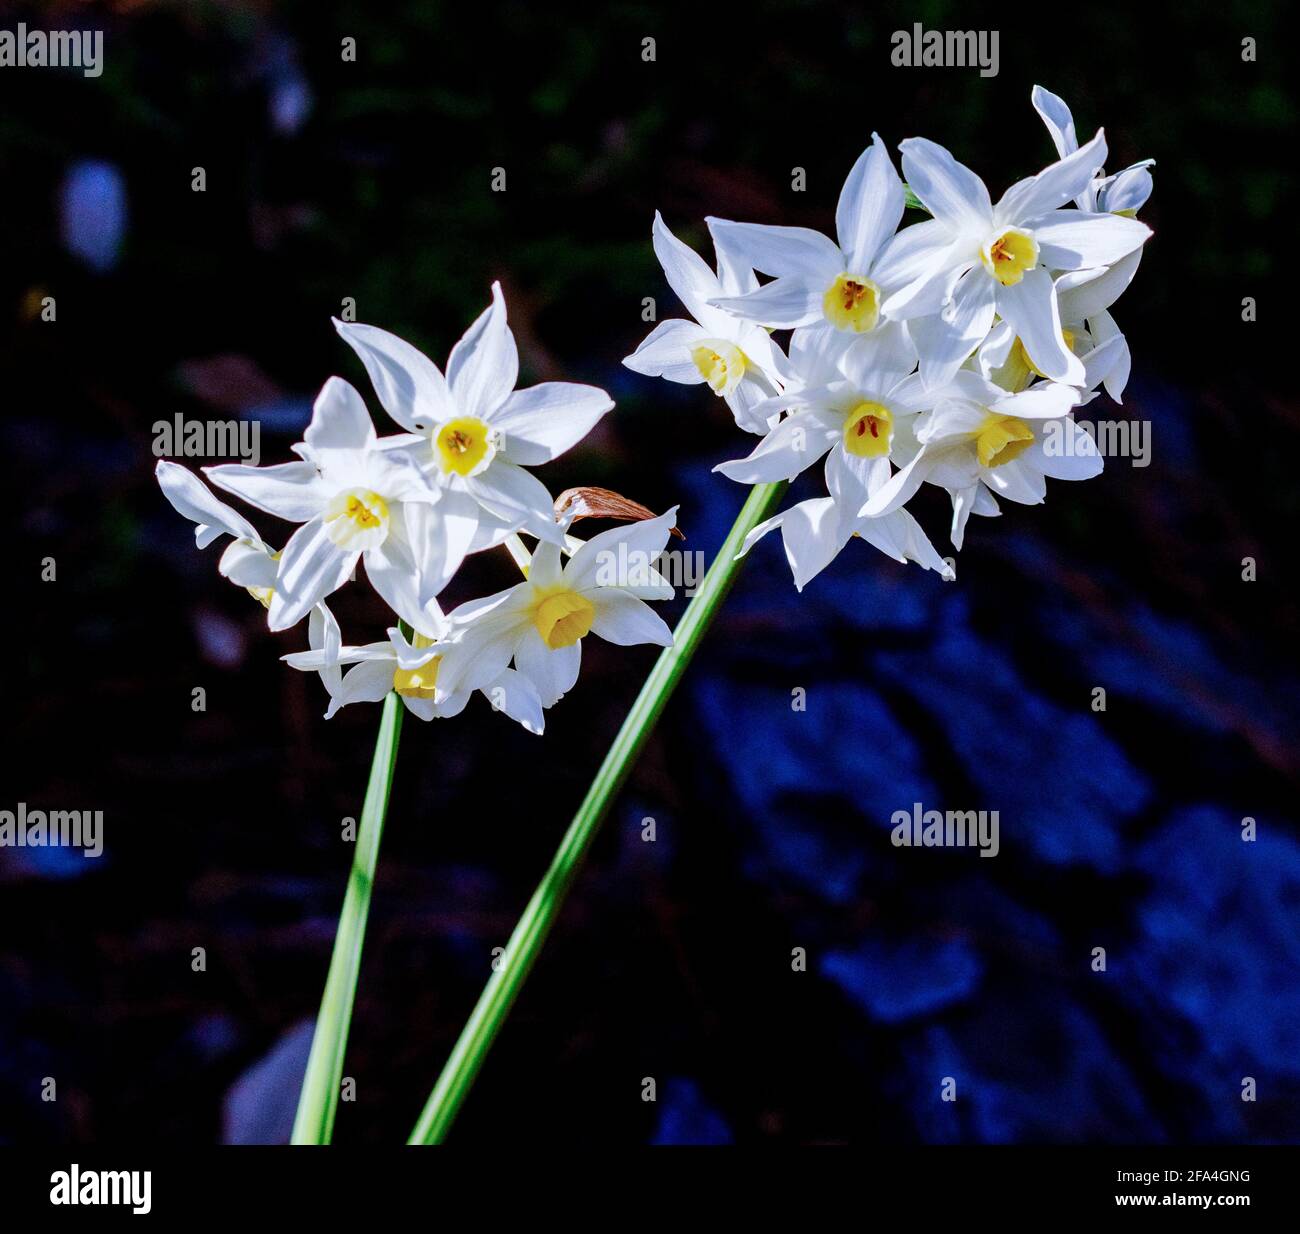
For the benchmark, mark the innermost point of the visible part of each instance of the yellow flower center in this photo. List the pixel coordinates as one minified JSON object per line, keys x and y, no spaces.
{"x":1007,"y":257}
{"x":852,"y":303}
{"x":562,"y":617}
{"x":357,"y":518}
{"x":1001,"y":438}
{"x":721,"y":364}
{"x":418,"y":682}
{"x":1022,"y":355}
{"x":868,"y":431}
{"x":261,"y":594}
{"x":462,"y":444}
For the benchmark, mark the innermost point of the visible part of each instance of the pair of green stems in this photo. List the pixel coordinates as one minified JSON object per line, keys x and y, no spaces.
{"x":318,"y":1102}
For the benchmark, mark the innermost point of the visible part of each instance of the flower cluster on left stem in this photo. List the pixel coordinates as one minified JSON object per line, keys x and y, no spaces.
{"x":410,"y":507}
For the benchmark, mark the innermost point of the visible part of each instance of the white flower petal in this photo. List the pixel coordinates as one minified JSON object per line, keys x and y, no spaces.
{"x":784,"y":304}
{"x":291,"y":491}
{"x":911,"y":254}
{"x":311,"y":567}
{"x":781,"y":251}
{"x":484,"y":364}
{"x":515,"y":695}
{"x":900,"y":536}
{"x":1074,"y":240}
{"x":900,"y":488}
{"x":1104,"y":330}
{"x":248,"y":565}
{"x":192,"y":498}
{"x":409,"y":385}
{"x":953,"y":193}
{"x":542,"y":422}
{"x":481,"y":648}
{"x":870,"y":207}
{"x":1044,"y":400}
{"x":1126,"y":191}
{"x":1056,"y":115}
{"x":392,"y":572}
{"x":339,"y":421}
{"x":517,"y":497}
{"x":943,"y":340}
{"x":1031,"y":308}
{"x":1054,"y":185}
{"x":623,"y":619}
{"x":1065,"y":451}
{"x":964,"y":501}
{"x":628,"y":549}
{"x":735,"y":275}
{"x":369,"y":682}
{"x":666,"y":352}
{"x":934,"y":287}
{"x":552,"y":671}
{"x":813,"y":533}
{"x":797,"y":442}
{"x":876,"y":362}
{"x":1085,"y":293}
{"x":688,"y":274}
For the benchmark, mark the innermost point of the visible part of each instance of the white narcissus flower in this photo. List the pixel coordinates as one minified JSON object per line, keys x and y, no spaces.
{"x":854,"y":402}
{"x":355,"y":502}
{"x":471,"y":432}
{"x":814,"y":531}
{"x":248,"y":561}
{"x":982,"y":442}
{"x":1124,"y":193}
{"x":817,"y":281}
{"x":408,"y":667}
{"x":540,"y":623}
{"x":1087,"y":328}
{"x":737,"y":359}
{"x":985,"y":259}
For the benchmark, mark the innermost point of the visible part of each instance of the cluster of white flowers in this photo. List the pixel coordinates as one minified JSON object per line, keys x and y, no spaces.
{"x":953,"y":351}
{"x":410,"y":507}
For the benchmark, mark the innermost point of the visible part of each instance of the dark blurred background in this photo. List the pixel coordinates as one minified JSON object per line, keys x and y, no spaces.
{"x":370,"y":180}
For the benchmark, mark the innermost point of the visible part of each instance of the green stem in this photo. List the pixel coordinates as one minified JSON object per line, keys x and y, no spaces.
{"x":530,"y":933}
{"x":319,"y":1099}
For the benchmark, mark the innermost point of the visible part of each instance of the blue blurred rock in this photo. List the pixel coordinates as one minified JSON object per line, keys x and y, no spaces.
{"x":898,"y":979}
{"x":686,"y":1118}
{"x":1062,"y":787}
{"x":93,"y":213}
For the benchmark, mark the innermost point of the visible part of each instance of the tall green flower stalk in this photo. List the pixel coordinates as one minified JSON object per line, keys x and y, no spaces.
{"x":539,"y":916}
{"x":318,"y":1102}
